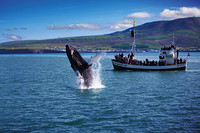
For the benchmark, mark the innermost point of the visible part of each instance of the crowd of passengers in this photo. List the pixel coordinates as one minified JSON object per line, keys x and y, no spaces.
{"x":131,"y":60}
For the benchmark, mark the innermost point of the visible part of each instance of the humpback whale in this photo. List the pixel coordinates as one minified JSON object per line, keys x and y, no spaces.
{"x":80,"y":66}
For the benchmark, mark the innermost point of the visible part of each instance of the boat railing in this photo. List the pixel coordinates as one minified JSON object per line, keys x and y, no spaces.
{"x":148,"y":63}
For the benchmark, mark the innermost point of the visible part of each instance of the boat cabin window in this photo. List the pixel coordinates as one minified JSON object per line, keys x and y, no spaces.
{"x":161,"y":57}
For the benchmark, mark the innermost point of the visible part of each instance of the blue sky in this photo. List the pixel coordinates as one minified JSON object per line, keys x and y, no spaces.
{"x":45,"y":19}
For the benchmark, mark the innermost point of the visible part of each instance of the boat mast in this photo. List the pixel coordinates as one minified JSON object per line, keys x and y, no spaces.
{"x":133,"y":35}
{"x":173,"y":39}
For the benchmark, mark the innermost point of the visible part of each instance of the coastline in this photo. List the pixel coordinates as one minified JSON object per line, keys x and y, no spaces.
{"x":42,"y":51}
{"x":28,"y":51}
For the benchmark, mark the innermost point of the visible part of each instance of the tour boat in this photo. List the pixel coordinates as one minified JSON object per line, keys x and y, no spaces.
{"x":168,"y":59}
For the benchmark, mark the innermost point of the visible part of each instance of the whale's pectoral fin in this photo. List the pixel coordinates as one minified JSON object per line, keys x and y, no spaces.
{"x":95,"y":58}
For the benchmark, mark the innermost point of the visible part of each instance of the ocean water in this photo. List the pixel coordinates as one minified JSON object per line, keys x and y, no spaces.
{"x":41,"y":93}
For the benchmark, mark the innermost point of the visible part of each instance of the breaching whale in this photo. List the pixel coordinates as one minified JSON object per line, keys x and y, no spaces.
{"x":80,"y":66}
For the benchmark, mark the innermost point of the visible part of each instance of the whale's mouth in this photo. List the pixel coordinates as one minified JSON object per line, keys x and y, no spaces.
{"x":72,"y":51}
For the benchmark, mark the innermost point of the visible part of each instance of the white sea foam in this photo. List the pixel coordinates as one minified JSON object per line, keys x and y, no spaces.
{"x":97,"y":79}
{"x":197,"y":70}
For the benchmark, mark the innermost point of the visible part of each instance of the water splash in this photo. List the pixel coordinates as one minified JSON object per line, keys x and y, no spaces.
{"x":80,"y":82}
{"x":97,"y":80}
{"x":96,"y":83}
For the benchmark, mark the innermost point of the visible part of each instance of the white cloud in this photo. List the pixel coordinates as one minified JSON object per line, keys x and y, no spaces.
{"x":75,"y":26}
{"x":183,"y":12}
{"x":12,"y":36}
{"x":15,"y":28}
{"x":139,"y":15}
{"x":122,"y":25}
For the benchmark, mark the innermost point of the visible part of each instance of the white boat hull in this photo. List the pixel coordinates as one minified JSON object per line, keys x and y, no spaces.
{"x":124,"y":66}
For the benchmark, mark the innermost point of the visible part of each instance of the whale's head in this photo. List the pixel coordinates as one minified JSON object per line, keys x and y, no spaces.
{"x":69,"y":50}
{"x":77,"y":62}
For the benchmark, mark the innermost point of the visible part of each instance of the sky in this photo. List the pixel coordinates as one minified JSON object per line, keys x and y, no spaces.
{"x":47,"y":19}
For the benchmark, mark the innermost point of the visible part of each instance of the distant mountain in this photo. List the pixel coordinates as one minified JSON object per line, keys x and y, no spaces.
{"x":149,"y":35}
{"x":186,"y":32}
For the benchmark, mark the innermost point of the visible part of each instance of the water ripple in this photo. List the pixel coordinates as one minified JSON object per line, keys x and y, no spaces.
{"x":40,"y":94}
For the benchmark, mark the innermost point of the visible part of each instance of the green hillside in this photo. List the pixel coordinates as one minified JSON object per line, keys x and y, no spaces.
{"x":148,"y":36}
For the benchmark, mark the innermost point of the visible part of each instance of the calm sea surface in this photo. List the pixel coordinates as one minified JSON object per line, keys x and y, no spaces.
{"x":40,"y":93}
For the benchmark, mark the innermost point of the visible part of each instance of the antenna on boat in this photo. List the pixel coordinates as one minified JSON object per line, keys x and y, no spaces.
{"x":133,"y":35}
{"x":173,"y":39}
{"x":176,"y":44}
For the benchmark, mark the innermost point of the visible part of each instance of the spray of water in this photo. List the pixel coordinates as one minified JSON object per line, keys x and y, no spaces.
{"x":97,"y":80}
{"x":96,"y":83}
{"x":80,"y":82}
